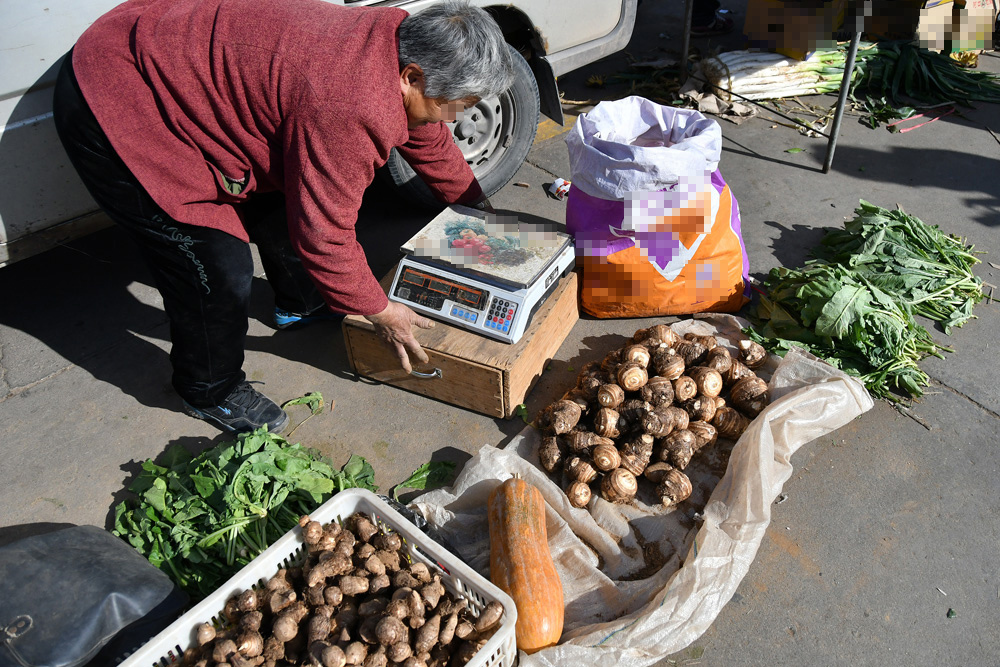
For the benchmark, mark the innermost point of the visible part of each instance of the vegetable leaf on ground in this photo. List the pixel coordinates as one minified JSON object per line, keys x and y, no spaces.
{"x":431,"y":475}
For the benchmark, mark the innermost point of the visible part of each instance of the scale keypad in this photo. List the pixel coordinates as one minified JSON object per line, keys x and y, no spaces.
{"x":501,"y":315}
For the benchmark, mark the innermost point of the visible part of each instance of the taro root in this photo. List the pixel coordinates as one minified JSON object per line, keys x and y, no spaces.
{"x":610,"y":396}
{"x":448,"y":628}
{"x":675,"y":488}
{"x":206,"y":633}
{"x":549,"y":454}
{"x":398,"y":652}
{"x":719,"y":359}
{"x":668,"y":364}
{"x":578,"y":494}
{"x":656,"y":472}
{"x":619,"y":486}
{"x":605,"y":457}
{"x":700,"y":408}
{"x":372,"y":564}
{"x":681,"y":417}
{"x":579,"y":397}
{"x":659,"y":421}
{"x":632,"y":376}
{"x":286,"y":626}
{"x":279,"y":582}
{"x":390,"y":558}
{"x":631,"y":413}
{"x":611,"y":361}
{"x":660,"y":332}
{"x":363,"y":550}
{"x":636,"y":454}
{"x":250,"y":644}
{"x":282,"y":599}
{"x":352,"y":585}
{"x":636,"y":353}
{"x":355,"y":653}
{"x":489,"y":618}
{"x":685,"y":388}
{"x":252,"y":620}
{"x":390,"y":630}
{"x":704,"y":433}
{"x":223,"y":649}
{"x":737,"y":371}
{"x":678,"y":448}
{"x":432,"y":592}
{"x":387,"y":541}
{"x":708,"y":380}
{"x":580,"y":442}
{"x":364,"y":528}
{"x":580,"y":469}
{"x":337,"y":565}
{"x":752,"y":354}
{"x":730,"y":423}
{"x":657,"y":391}
{"x":749,"y":396}
{"x":606,"y":423}
{"x":312,"y":532}
{"x":691,"y":352}
{"x":562,"y":416}
{"x":330,"y":656}
{"x":710,"y":342}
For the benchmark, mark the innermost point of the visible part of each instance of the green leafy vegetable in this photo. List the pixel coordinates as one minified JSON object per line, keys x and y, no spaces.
{"x":794,"y":150}
{"x":200,"y":519}
{"x":313,"y":399}
{"x":854,"y":306}
{"x":431,"y":475}
{"x":522,"y":412}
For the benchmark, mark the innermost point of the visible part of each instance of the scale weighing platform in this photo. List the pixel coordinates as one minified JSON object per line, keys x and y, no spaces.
{"x":480,"y":272}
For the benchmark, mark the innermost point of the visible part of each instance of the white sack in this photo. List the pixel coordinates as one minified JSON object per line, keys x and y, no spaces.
{"x":635,"y":145}
{"x":621,"y":609}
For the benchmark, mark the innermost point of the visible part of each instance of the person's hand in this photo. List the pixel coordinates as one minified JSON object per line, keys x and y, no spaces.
{"x":394,"y":326}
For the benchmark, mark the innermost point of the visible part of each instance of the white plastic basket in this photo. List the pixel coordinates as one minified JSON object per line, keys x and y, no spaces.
{"x":167,"y":647}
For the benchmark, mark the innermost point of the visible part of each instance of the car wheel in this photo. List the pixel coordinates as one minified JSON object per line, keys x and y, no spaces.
{"x":495,"y":137}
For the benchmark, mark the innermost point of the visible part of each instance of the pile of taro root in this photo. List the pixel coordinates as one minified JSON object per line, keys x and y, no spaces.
{"x":355,"y":600}
{"x":645,"y":410}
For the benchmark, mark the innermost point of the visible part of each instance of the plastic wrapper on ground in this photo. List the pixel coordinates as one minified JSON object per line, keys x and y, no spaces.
{"x":640,"y":581}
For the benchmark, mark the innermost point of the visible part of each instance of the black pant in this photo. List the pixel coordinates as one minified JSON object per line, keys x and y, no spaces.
{"x":204,"y":275}
{"x":703,"y":12}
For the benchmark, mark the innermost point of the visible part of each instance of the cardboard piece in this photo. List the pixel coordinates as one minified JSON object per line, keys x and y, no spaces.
{"x":795,"y":28}
{"x":948,"y":26}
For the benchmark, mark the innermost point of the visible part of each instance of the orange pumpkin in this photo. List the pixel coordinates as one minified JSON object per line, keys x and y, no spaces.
{"x":521,"y":565}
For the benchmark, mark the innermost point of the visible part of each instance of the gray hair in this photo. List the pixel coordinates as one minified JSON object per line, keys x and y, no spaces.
{"x":460,"y":49}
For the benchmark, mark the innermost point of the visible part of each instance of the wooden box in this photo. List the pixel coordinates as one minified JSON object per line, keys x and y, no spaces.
{"x":477,"y":373}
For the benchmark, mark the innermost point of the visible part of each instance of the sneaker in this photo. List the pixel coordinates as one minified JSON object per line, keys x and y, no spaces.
{"x":284,"y":319}
{"x":720,"y":25}
{"x":245,"y":409}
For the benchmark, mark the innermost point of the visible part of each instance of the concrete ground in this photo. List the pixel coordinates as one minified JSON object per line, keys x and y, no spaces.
{"x":889,"y":523}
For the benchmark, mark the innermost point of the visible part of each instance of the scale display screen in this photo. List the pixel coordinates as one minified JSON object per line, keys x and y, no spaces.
{"x":431,"y":290}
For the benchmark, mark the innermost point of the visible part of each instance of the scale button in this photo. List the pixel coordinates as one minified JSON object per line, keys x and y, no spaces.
{"x":472,"y":317}
{"x":506,"y":327}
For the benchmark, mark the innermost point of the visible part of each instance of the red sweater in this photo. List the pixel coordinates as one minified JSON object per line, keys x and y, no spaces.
{"x":300,"y":96}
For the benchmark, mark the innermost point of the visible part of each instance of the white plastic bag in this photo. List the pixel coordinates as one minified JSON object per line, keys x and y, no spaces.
{"x":624,"y":605}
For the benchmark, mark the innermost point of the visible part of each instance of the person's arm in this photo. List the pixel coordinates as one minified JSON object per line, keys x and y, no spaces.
{"x":323,"y":190}
{"x":433,"y":154}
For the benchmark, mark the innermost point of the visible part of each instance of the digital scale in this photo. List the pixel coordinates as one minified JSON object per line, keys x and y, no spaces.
{"x":481,"y":272}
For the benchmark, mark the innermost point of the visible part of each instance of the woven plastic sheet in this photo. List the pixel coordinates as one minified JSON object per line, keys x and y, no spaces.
{"x":642,"y":582}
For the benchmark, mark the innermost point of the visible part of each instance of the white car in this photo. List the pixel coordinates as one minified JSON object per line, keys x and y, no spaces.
{"x":43,"y":203}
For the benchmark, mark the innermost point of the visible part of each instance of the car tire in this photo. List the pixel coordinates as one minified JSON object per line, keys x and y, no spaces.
{"x":495,"y":137}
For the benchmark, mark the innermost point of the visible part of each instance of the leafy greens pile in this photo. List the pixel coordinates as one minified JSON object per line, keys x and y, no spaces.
{"x":201,"y":519}
{"x":854,"y":306}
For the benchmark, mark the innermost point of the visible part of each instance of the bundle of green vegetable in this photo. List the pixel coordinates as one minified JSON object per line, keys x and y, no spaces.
{"x":917,"y":263}
{"x":892,"y":70}
{"x":200,"y":519}
{"x":888,"y":71}
{"x":764,"y":76}
{"x":855,"y":306}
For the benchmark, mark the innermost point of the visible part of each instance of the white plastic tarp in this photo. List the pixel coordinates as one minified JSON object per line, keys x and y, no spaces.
{"x":642,"y":582}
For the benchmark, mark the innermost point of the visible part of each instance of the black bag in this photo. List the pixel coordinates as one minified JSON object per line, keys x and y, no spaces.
{"x":68,"y":594}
